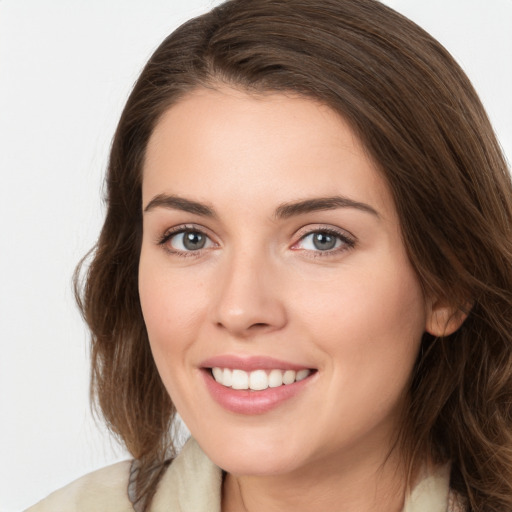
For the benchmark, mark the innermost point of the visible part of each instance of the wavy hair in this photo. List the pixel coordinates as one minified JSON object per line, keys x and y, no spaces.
{"x":421,"y":121}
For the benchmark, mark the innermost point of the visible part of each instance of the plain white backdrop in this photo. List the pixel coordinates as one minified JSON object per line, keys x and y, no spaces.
{"x":66,"y":68}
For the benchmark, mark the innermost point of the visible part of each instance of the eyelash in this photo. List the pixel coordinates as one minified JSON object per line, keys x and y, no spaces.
{"x":347,"y":242}
{"x":168,"y":235}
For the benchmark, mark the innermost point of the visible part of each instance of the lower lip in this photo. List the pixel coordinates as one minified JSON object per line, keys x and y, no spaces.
{"x":252,"y":402}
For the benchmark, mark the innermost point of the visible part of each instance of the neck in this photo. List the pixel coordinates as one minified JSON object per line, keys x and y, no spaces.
{"x":360,"y":487}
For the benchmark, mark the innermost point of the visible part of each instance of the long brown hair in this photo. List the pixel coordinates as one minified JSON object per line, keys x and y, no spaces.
{"x":421,"y":121}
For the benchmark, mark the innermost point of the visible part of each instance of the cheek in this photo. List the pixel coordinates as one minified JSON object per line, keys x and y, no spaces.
{"x":370,"y":321}
{"x":371,"y":331}
{"x":171,"y":307}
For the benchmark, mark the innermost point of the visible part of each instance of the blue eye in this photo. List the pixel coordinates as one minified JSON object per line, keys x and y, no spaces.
{"x":320,"y":241}
{"x":324,"y":241}
{"x":187,"y":240}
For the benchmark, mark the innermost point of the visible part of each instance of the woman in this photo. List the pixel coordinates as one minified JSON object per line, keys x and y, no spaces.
{"x":307,"y":253}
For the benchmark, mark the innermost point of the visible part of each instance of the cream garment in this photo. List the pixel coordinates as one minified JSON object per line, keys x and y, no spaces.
{"x":193,"y":484}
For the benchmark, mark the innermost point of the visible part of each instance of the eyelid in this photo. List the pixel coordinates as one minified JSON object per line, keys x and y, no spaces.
{"x":182,"y":228}
{"x":348,"y":240}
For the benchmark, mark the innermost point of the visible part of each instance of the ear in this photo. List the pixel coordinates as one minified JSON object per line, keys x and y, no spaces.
{"x":444,"y":319}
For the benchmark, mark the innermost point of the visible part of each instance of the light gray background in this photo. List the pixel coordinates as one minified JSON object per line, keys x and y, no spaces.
{"x":66,"y":68}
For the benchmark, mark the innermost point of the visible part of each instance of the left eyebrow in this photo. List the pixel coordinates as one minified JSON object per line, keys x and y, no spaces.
{"x":287,"y":210}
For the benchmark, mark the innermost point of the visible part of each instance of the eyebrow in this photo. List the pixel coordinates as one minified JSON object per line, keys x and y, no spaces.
{"x":179,"y":203}
{"x":291,"y":209}
{"x":284,"y":211}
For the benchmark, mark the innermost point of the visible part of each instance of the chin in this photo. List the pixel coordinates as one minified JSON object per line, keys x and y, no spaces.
{"x":244,"y":456}
{"x":255,"y":465}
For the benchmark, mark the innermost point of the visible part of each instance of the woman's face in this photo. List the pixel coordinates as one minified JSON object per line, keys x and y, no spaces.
{"x":272,"y":251}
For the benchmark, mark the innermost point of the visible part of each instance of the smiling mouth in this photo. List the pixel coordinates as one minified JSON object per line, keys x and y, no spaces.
{"x":257,"y":380}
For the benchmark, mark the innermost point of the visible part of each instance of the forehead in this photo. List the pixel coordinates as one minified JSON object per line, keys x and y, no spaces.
{"x":222,"y":143}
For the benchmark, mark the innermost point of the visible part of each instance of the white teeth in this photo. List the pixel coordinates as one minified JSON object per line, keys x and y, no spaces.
{"x":257,"y":380}
{"x":218,"y":374}
{"x":275,"y":379}
{"x":301,"y":375}
{"x":240,"y":379}
{"x":227,"y":377}
{"x":289,"y":377}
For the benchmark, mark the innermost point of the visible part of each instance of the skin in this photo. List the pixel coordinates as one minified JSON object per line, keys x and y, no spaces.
{"x":259,"y":286}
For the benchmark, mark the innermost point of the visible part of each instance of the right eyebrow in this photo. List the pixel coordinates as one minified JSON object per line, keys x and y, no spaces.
{"x":179,"y":203}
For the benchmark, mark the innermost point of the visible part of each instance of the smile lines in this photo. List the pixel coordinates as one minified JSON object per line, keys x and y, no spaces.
{"x":257,"y":380}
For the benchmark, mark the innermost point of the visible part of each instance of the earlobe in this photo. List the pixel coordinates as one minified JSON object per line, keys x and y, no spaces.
{"x":443,"y":320}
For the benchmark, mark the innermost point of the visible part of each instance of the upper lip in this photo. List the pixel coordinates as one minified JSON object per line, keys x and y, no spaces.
{"x":250,"y":363}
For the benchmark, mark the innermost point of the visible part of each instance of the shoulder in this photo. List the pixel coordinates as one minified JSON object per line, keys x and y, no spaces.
{"x":105,"y":489}
{"x":192,"y":482}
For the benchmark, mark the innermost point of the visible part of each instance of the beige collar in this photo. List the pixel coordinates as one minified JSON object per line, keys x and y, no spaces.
{"x":430,"y":494}
{"x":193,"y":482}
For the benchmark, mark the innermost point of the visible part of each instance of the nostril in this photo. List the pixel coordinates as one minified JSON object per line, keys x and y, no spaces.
{"x":259,"y":326}
{"x":255,"y":317}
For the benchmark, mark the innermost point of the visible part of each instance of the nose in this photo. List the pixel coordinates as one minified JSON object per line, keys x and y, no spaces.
{"x":250,"y":298}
